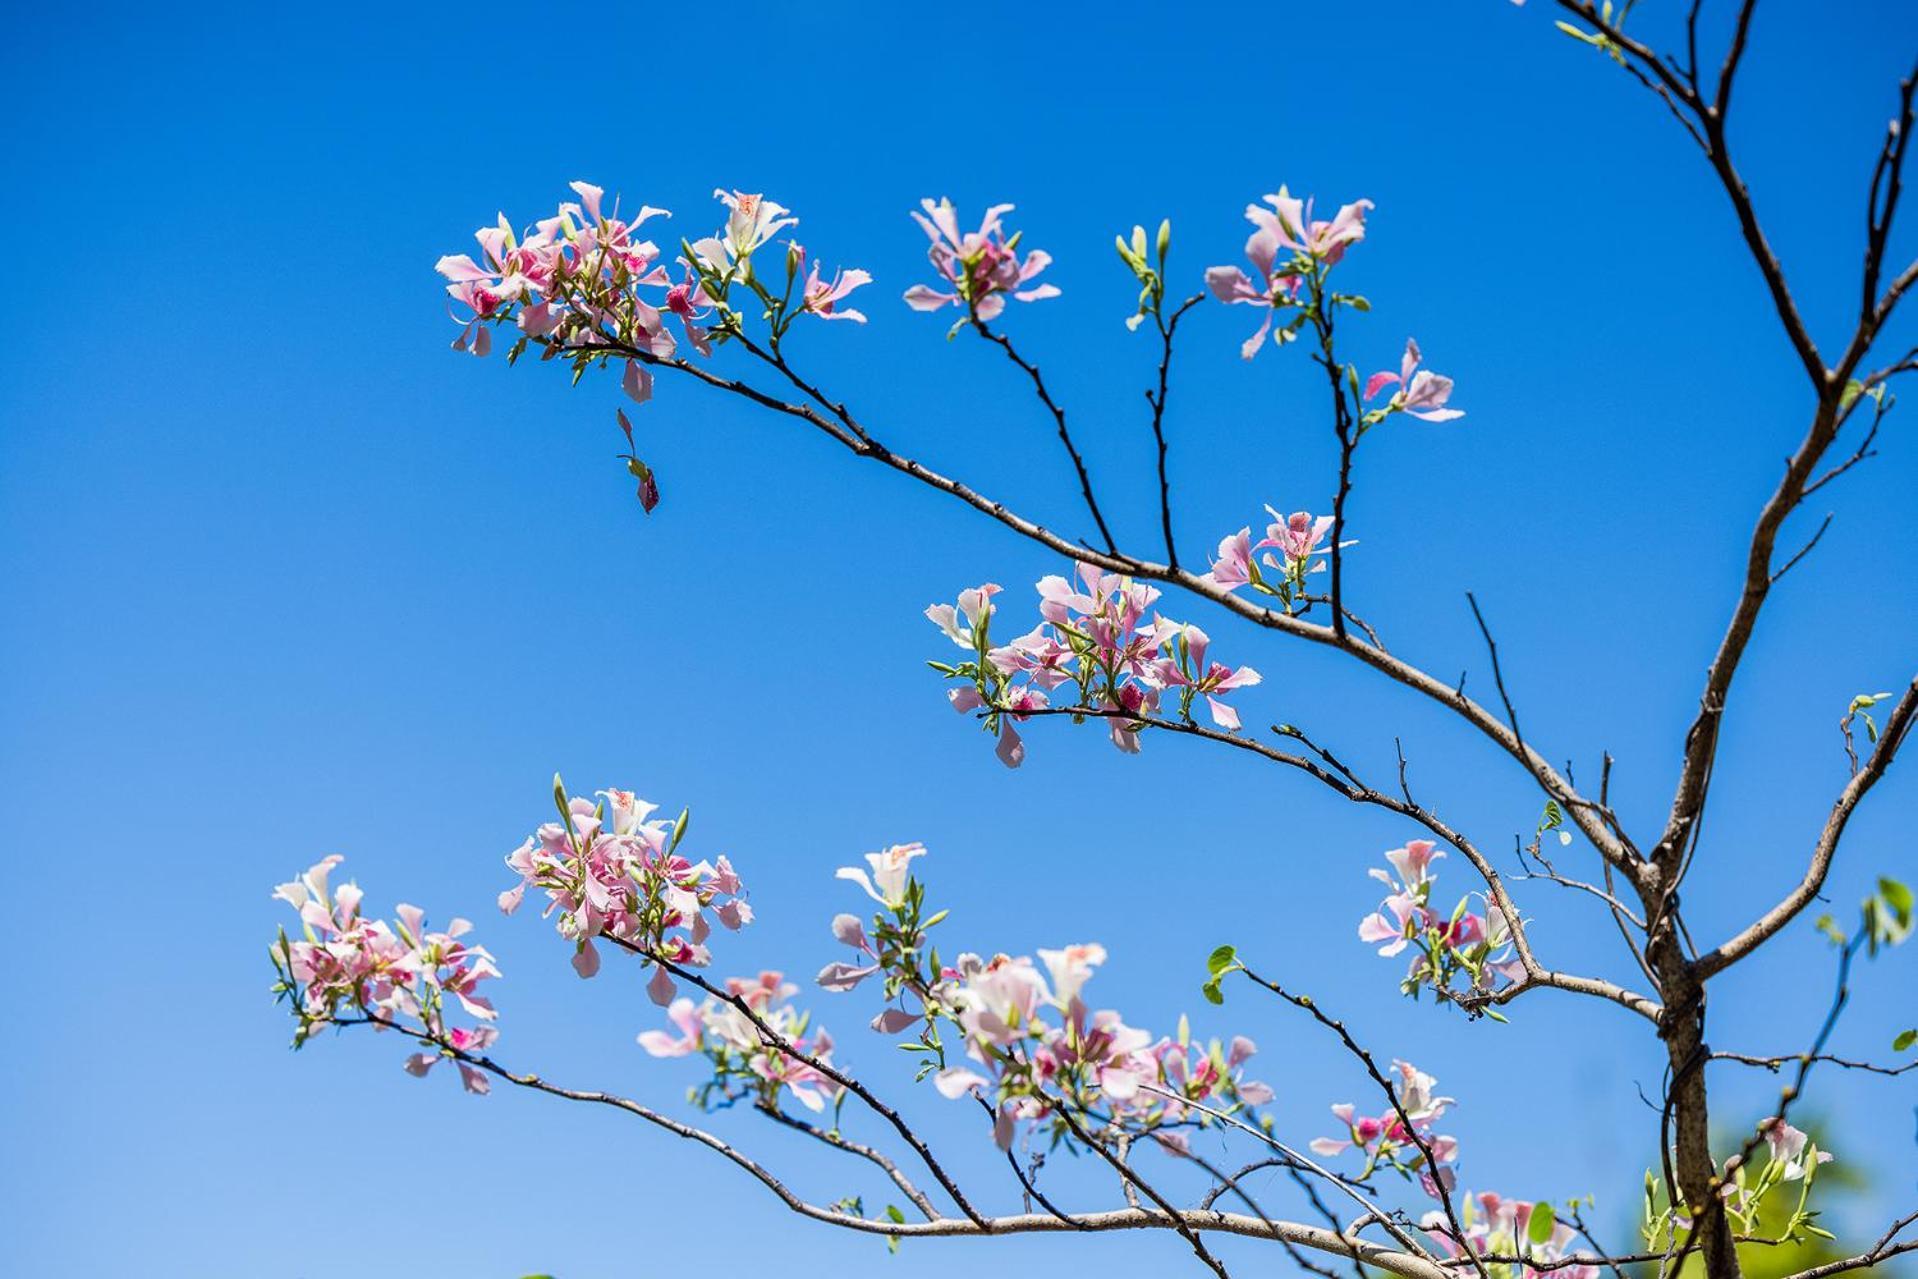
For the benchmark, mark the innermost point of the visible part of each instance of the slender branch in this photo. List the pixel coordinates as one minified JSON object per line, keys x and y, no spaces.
{"x":1803,"y":551}
{"x":1897,"y":728}
{"x":1336,"y":775}
{"x":1168,"y":330}
{"x":1774,"y":1064}
{"x":1883,"y":1250}
{"x":776,"y":1040}
{"x":1058,"y":416}
{"x":1131,"y":1178}
{"x":839,"y":1142}
{"x":1365,"y":1059}
{"x":1299,"y":1161}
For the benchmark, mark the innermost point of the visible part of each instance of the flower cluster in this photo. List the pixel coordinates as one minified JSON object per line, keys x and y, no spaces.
{"x":585,"y":284}
{"x":1033,"y":1043}
{"x":1295,"y":547}
{"x":746,"y":1061}
{"x":980,"y":269}
{"x":393,"y":975}
{"x":609,"y":870}
{"x":1497,"y":1227}
{"x":1466,"y":943}
{"x":1095,"y":637}
{"x":1387,"y":1142}
{"x":1293,"y":284}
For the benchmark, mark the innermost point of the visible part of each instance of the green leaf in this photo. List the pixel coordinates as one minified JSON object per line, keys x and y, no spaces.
{"x":1211,"y":992}
{"x":1904,"y":1040}
{"x":1223,"y":958}
{"x":1897,"y":895}
{"x":1544,"y":1221}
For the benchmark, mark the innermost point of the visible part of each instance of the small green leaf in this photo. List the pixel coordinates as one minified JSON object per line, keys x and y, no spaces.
{"x":1221,"y":959}
{"x":1897,"y":895}
{"x":1905,"y":1040}
{"x":1544,"y":1221}
{"x":1211,"y":992}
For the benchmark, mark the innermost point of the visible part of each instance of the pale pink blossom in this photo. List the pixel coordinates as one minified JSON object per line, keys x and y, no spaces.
{"x":1422,"y":393}
{"x":891,"y":869}
{"x":980,"y":268}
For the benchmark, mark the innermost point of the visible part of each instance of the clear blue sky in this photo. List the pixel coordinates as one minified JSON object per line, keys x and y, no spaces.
{"x":285,"y":577}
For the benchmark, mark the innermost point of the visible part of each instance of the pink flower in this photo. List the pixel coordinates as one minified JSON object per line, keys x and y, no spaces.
{"x":1187,"y":668}
{"x":821,"y":297}
{"x":1422,"y":393}
{"x":1071,"y":967}
{"x":1291,"y":222}
{"x":981,"y":267}
{"x":1413,"y":862}
{"x":686,"y":1018}
{"x":1787,"y":1149}
{"x":1273,"y":290}
{"x":1297,"y":538}
{"x":1233,"y":567}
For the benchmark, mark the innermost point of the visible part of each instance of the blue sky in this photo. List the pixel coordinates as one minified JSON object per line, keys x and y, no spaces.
{"x":287,"y":577}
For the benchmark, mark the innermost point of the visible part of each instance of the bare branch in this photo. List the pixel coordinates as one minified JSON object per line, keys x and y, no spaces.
{"x":1897,"y":728}
{"x":1059,"y":417}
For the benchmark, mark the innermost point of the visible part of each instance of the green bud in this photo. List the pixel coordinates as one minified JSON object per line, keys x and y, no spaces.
{"x":1165,"y":238}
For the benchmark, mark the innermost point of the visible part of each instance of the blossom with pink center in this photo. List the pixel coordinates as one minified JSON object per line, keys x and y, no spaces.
{"x":751,"y":221}
{"x":891,"y":872}
{"x":1297,"y":538}
{"x":1070,"y":967}
{"x":1422,"y":393}
{"x":1291,"y":222}
{"x":980,"y":268}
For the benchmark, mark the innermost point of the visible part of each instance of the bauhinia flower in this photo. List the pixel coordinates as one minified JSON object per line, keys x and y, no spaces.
{"x":1187,"y":669}
{"x":1292,"y":223}
{"x":1422,"y":393}
{"x":821,"y":297}
{"x":981,"y":269}
{"x":1273,"y":290}
{"x":752,"y":220}
{"x":1787,"y":1146}
{"x":891,"y":868}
